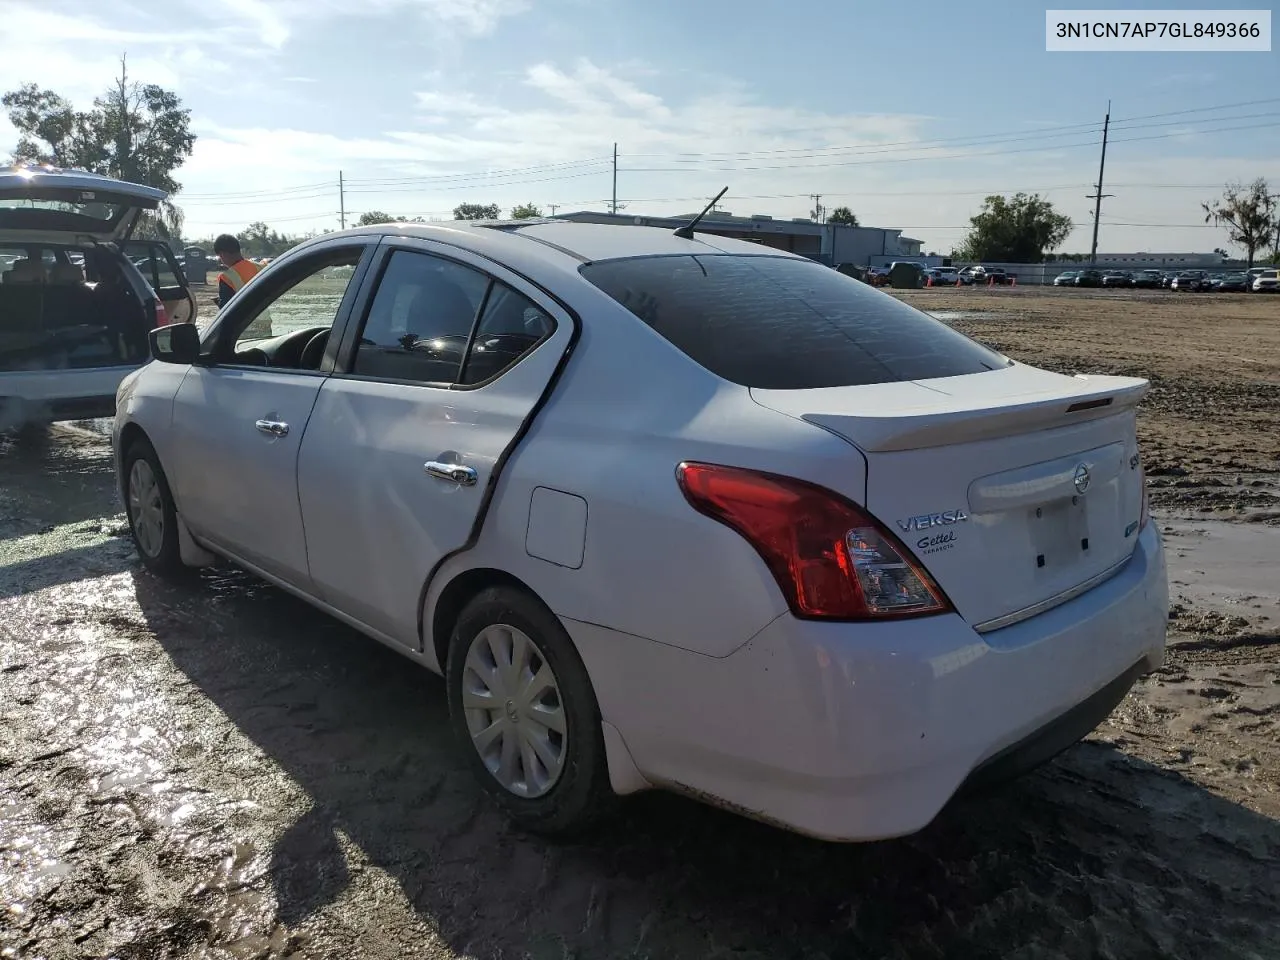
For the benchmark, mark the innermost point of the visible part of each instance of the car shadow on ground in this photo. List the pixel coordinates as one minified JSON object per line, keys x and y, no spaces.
{"x":1098,"y":854}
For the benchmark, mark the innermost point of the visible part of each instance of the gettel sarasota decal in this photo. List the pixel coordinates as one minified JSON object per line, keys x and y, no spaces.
{"x":934,"y":542}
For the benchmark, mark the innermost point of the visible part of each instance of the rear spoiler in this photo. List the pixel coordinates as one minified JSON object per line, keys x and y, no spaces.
{"x":933,"y":419}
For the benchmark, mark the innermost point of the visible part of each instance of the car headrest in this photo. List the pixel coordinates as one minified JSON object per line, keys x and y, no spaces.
{"x":25,"y":271}
{"x":439,"y":299}
{"x":66,"y":274}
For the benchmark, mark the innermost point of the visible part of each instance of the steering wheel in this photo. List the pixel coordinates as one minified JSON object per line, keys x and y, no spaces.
{"x":313,"y":352}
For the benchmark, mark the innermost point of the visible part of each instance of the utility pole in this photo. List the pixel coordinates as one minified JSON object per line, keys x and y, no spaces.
{"x":342,"y":202}
{"x":614,"y":206}
{"x":554,"y":207}
{"x":1097,"y":195}
{"x":817,"y":206}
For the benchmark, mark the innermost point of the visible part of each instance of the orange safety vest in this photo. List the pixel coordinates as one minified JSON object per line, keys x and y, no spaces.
{"x":238,"y":274}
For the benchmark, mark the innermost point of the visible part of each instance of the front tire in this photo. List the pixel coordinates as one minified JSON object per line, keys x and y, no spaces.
{"x":523,"y":711}
{"x":153,"y":517}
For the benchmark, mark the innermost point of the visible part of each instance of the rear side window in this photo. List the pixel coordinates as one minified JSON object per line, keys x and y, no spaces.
{"x":511,"y":326}
{"x":784,"y":324}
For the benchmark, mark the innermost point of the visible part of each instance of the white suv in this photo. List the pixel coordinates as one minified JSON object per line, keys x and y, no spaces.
{"x":77,"y":296}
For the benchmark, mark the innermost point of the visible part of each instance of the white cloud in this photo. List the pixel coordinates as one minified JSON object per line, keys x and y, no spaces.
{"x":269,"y":22}
{"x":544,"y":131}
{"x":476,"y":17}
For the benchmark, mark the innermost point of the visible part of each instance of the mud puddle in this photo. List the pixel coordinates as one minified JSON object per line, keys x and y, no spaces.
{"x":1227,"y":568}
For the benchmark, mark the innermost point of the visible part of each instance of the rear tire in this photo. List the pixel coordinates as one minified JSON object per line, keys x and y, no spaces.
{"x":153,"y":516}
{"x":523,"y":711}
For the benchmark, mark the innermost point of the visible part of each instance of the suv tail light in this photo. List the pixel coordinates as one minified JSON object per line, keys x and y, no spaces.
{"x":162,"y":315}
{"x":830,"y":559}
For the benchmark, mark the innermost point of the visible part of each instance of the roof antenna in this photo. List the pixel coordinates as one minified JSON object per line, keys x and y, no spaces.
{"x":686,"y":231}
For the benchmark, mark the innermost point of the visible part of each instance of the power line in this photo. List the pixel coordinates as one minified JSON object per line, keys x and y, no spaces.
{"x":1076,"y":129}
{"x":828,"y":125}
{"x":900,"y":193}
{"x":502,"y":172}
{"x":956,"y":156}
{"x":510,"y":177}
{"x":800,"y":152}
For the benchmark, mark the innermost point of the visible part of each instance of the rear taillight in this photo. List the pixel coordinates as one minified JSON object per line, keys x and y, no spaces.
{"x":162,"y":315}
{"x":830,"y":559}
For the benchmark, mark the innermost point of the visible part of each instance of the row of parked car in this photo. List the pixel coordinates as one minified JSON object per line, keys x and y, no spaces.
{"x":1257,"y":280}
{"x":944,"y":276}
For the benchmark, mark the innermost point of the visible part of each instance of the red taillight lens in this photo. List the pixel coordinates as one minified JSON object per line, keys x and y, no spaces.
{"x":162,"y":315}
{"x":830,"y":559}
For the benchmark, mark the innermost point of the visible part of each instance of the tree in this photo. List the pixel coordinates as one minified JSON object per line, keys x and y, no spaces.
{"x":371,"y":217}
{"x":1248,"y":213}
{"x":526,"y":211}
{"x":477,"y":211}
{"x":163,"y":224}
{"x":1015,"y":230}
{"x":843,"y":215}
{"x":259,"y":240}
{"x":136,"y":132}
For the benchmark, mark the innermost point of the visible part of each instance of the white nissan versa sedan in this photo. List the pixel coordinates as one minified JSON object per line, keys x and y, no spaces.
{"x":666,"y":511}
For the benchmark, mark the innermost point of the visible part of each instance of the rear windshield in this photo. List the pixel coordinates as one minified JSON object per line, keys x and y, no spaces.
{"x":783,"y":324}
{"x":90,"y":209}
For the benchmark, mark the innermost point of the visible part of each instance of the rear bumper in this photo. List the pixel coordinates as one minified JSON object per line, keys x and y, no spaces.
{"x":35,"y":396}
{"x":859,"y":732}
{"x":1055,"y":736}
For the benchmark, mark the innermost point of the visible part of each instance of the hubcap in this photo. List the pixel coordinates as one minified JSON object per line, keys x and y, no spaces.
{"x":146,"y":508}
{"x":513,"y":710}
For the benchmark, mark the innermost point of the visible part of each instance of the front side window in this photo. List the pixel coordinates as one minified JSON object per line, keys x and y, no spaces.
{"x":288,"y":324}
{"x":786,"y":324}
{"x":420,"y":321}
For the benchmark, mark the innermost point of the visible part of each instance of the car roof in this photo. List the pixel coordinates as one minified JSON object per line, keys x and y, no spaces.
{"x":556,"y":239}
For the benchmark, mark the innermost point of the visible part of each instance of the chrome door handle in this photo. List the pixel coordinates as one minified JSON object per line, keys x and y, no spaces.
{"x":273,"y":427}
{"x":462,"y":476}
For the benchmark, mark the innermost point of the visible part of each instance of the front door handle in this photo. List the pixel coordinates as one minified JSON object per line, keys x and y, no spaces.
{"x":455,"y":472}
{"x":275,"y":428}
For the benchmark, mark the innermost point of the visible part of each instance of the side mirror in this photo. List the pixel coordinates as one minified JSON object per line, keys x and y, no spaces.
{"x":176,"y":343}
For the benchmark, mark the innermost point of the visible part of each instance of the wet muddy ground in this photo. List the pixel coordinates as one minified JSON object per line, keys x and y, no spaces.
{"x":211,"y":769}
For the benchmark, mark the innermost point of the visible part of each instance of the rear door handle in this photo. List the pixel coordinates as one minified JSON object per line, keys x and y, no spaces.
{"x":275,"y":428}
{"x":455,"y":472}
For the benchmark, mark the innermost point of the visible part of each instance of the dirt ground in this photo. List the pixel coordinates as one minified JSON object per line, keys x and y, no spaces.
{"x":212,"y":769}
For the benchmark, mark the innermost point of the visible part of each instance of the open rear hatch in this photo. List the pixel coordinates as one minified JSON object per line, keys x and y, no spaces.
{"x":1016,"y":488}
{"x":45,"y":204}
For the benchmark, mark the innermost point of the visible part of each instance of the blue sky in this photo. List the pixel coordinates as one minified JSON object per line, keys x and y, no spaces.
{"x":908,"y":115}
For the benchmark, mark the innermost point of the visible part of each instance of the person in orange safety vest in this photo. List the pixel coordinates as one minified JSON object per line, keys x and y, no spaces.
{"x":238,"y":272}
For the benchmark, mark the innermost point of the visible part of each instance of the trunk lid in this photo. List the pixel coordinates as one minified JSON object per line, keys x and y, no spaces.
{"x":46,"y":204}
{"x":1016,"y":488}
